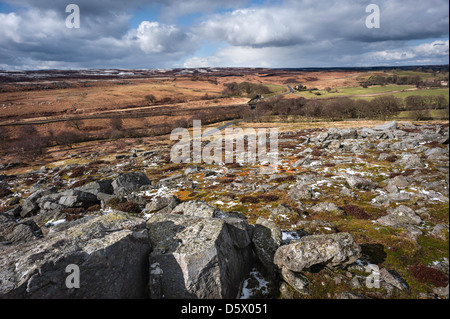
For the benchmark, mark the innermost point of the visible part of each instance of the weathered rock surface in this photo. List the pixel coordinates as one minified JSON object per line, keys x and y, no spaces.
{"x":387,"y":126}
{"x":266,"y":240}
{"x":12,"y":232}
{"x":162,"y":204}
{"x":296,"y":280}
{"x":300,"y":192}
{"x":359,"y":182}
{"x":102,"y":186}
{"x":130,"y":182}
{"x":330,"y":250}
{"x":198,"y":208}
{"x":284,"y":213}
{"x":76,"y":198}
{"x":111,"y":252}
{"x":196,"y":257}
{"x":329,"y":208}
{"x":401,"y":215}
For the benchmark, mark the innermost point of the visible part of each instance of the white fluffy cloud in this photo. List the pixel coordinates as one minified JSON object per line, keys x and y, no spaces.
{"x":435,"y":49}
{"x":154,"y":37}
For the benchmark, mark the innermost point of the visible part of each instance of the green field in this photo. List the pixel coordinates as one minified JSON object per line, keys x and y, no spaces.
{"x":423,"y":75}
{"x":365,"y":94}
{"x":434,"y":114}
{"x":276,"y":89}
{"x":358,"y":90}
{"x":429,"y":92}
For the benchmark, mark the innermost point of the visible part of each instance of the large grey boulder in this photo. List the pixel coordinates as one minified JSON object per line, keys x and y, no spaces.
{"x":175,"y":180}
{"x":76,"y":198}
{"x":102,"y":186}
{"x":301,"y":192}
{"x":386,"y":126}
{"x":399,"y":216}
{"x":130,"y":182}
{"x":411,"y":161}
{"x":111,"y":252}
{"x":329,"y":250}
{"x":194,"y":257}
{"x":162,"y":204}
{"x":12,"y":232}
{"x":403,"y":218}
{"x":400,"y":181}
{"x":359,"y":182}
{"x":349,"y":133}
{"x":284,"y":213}
{"x":328,"y":207}
{"x":266,"y":240}
{"x":198,"y":208}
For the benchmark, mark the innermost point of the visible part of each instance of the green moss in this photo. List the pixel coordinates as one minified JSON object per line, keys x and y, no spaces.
{"x":432,"y":249}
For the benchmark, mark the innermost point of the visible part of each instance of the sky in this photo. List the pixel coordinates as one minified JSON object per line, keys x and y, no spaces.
{"x":157,"y":34}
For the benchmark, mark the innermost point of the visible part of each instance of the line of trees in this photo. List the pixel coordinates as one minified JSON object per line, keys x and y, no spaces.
{"x":421,"y":106}
{"x":382,"y":107}
{"x":247,"y":88}
{"x":414,"y":79}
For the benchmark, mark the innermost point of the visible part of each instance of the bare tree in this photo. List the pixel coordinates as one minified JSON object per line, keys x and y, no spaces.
{"x":363,"y":109}
{"x":385,"y":106}
{"x":75,"y":124}
{"x":312,"y":109}
{"x":116,"y":124}
{"x":29,"y":147}
{"x":4,"y":137}
{"x":67,"y":138}
{"x":150,"y":99}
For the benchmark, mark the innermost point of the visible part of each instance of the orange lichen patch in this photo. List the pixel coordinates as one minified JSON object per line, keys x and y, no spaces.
{"x":245,"y":173}
{"x":183,"y":195}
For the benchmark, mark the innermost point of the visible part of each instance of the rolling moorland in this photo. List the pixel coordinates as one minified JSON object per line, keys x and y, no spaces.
{"x":86,"y":178}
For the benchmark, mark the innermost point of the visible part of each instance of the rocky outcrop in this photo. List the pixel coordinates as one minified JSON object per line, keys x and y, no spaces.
{"x":195,"y":257}
{"x":130,"y":182}
{"x":328,"y":207}
{"x":76,"y":198}
{"x":359,"y":182}
{"x":403,"y":218}
{"x":329,"y":250}
{"x":266,"y":240}
{"x":162,"y":204}
{"x":399,"y":216}
{"x":111,"y":252}
{"x":198,"y":208}
{"x":12,"y":232}
{"x":300,"y":192}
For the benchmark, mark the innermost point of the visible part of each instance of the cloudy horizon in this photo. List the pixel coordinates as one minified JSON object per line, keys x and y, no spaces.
{"x":150,"y":34}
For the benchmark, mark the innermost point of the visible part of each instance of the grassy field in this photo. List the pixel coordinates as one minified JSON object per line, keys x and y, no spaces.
{"x":430,"y":92}
{"x":276,"y":89}
{"x":349,"y":91}
{"x":423,"y":75}
{"x":371,"y":92}
{"x":435,"y":114}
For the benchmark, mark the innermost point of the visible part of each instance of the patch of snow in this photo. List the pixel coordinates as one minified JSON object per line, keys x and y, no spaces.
{"x":52,"y":223}
{"x":289,"y":235}
{"x":262,"y":287}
